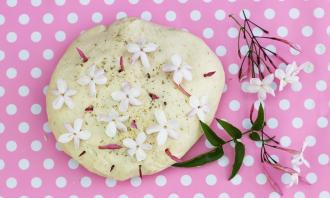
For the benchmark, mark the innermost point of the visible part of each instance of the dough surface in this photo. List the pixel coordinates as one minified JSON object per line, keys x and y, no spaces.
{"x":104,"y":46}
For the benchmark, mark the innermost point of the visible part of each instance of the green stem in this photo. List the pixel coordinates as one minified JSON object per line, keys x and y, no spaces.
{"x":244,"y":133}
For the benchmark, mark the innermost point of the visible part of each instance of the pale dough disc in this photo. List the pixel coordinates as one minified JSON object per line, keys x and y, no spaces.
{"x":104,"y":46}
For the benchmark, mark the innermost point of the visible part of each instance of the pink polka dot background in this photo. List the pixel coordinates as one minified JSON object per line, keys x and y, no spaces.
{"x":35,"y":33}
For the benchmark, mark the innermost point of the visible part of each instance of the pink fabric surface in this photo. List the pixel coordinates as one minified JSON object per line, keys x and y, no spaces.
{"x":31,"y":164}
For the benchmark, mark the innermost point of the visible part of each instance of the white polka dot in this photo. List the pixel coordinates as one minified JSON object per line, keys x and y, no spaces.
{"x":220,"y":15}
{"x":285,"y":141}
{"x":323,"y":159}
{"x":286,"y":178}
{"x":297,"y":122}
{"x":158,"y":1}
{"x":324,"y":194}
{"x":11,"y":73}
{"x":311,"y":140}
{"x":136,"y":181}
{"x":328,"y":30}
{"x":110,"y":182}
{"x":247,"y":13}
{"x":60,"y":36}
{"x":307,"y":31}
{"x":146,"y":15}
{"x":11,"y":109}
{"x":72,"y":18}
{"x":309,"y":104}
{"x":2,"y":127}
{"x":211,"y":180}
{"x":58,"y":146}
{"x":309,"y":68}
{"x":321,"y":85}
{"x":244,"y":49}
{"x":320,"y":49}
{"x":318,"y":13}
{"x":182,"y":1}
{"x":274,"y":195}
{"x":148,"y":196}
{"x":272,"y":123}
{"x":161,"y":180}
{"x":233,"y":69}
{"x":2,"y":19}
{"x":48,"y":18}
{"x":195,"y":15}
{"x":84,"y":2}
{"x":248,"y":160}
{"x":59,"y":2}
{"x":223,"y":195}
{"x":23,"y":164}
{"x":199,"y":195}
{"x":121,"y":15}
{"x":2,"y":55}
{"x":23,"y":127}
{"x":36,"y":182}
{"x":221,"y":50}
{"x":36,"y":37}
{"x":45,"y":90}
{"x":11,"y":37}
{"x":133,"y":1}
{"x":85,"y":182}
{"x":48,"y":54}
{"x":223,"y":161}
{"x":73,"y":164}
{"x":48,"y":164}
{"x":11,"y":182}
{"x":2,"y":164}
{"x":232,"y":32}
{"x":23,"y":55}
{"x":36,"y":72}
{"x":46,"y":128}
{"x":294,"y":13}
{"x":269,"y":13}
{"x":257,"y":31}
{"x":61,"y":182}
{"x":261,"y":179}
{"x":97,"y":17}
{"x":296,"y":86}
{"x":36,"y":109}
{"x":249,"y":195}
{"x":299,"y":195}
{"x":246,"y":123}
{"x":123,"y":196}
{"x":23,"y":90}
{"x":36,"y":145}
{"x":282,"y":31}
{"x":208,"y":33}
{"x":36,"y":3}
{"x":322,"y":122}
{"x":271,"y":48}
{"x":311,"y":178}
{"x":2,"y":91}
{"x":186,"y":180}
{"x":234,"y":105}
{"x":11,"y":3}
{"x":236,"y":180}
{"x":170,"y":15}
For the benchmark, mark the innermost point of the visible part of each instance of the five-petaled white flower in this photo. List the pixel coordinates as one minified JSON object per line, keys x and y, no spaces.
{"x":289,"y":76}
{"x":63,"y":94}
{"x":164,"y":128}
{"x":74,"y":133}
{"x":93,"y":77}
{"x":136,"y":147}
{"x":127,"y":95}
{"x":115,"y":121}
{"x":181,"y":70}
{"x":140,"y":50}
{"x":299,"y":159}
{"x":199,"y":107}
{"x":262,"y":87}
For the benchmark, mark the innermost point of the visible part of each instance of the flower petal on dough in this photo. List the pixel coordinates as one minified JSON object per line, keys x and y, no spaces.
{"x":177,"y":77}
{"x":144,"y":60}
{"x":84,"y":80}
{"x":69,"y":102}
{"x":118,"y":95}
{"x":133,"y":47}
{"x":111,"y":129}
{"x":162,"y":137}
{"x":176,"y":59}
{"x":65,"y":138}
{"x":140,"y":154}
{"x":61,"y":86}
{"x":160,"y":117}
{"x":141,"y":138}
{"x":58,"y":102}
{"x":77,"y":124}
{"x":84,"y":135}
{"x":150,"y":47}
{"x":129,"y":143}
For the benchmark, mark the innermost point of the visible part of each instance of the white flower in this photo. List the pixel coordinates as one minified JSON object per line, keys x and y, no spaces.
{"x":289,"y":76}
{"x":140,"y":50}
{"x":127,"y":95}
{"x":75,"y":133}
{"x":137,"y":147}
{"x":63,"y":94}
{"x":294,"y":179}
{"x":199,"y":107}
{"x":164,"y":128}
{"x":115,"y":121}
{"x":181,"y":70}
{"x":298,"y":159}
{"x":262,"y":87}
{"x":93,"y":77}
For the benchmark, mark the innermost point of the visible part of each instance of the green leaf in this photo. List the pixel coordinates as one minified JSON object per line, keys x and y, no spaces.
{"x":211,"y":136}
{"x":239,"y":156}
{"x":258,"y":124}
{"x":254,"y":136}
{"x":230,"y":129}
{"x":202,"y":159}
